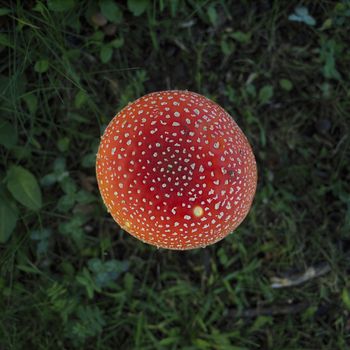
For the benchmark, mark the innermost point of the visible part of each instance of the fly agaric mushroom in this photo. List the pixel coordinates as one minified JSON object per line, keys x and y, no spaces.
{"x":175,"y":170}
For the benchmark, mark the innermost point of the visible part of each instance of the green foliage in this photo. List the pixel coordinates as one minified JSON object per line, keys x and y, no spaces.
{"x":5,"y":40}
{"x":265,"y":93}
{"x":8,"y":218}
{"x":138,"y":7}
{"x":345,"y":295}
{"x":59,"y":173}
{"x":72,"y":195}
{"x":327,"y":54}
{"x":24,"y":187}
{"x":60,"y":301}
{"x":41,"y":66}
{"x":89,"y":323}
{"x":106,"y":53}
{"x":286,"y":84}
{"x":212,"y":14}
{"x":73,"y":227}
{"x":4,"y":11}
{"x":70,"y":277}
{"x":86,"y":279}
{"x":81,"y":98}
{"x":111,"y":11}
{"x":243,"y":38}
{"x":101,"y":274}
{"x":32,"y":102}
{"x":63,"y":144}
{"x":8,"y":134}
{"x":107,"y":271}
{"x":42,"y":237}
{"x":60,"y":5}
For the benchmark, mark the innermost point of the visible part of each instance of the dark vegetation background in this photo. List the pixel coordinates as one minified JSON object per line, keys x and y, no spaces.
{"x":71,"y":278}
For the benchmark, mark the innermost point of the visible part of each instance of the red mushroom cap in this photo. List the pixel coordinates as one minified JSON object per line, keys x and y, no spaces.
{"x":175,"y":170}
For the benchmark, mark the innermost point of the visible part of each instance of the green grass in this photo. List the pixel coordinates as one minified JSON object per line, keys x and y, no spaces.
{"x":70,"y":278}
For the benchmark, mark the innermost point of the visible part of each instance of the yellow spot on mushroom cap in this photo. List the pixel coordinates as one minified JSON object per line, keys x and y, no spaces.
{"x":198,"y":211}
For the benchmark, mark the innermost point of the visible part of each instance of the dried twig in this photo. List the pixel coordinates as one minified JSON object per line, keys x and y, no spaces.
{"x":295,"y":280}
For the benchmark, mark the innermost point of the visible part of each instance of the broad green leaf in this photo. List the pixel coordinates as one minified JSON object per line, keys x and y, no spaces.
{"x":309,"y":313}
{"x":31,"y":102}
{"x":89,"y":160}
{"x":165,"y":342}
{"x":21,"y":152}
{"x":80,"y":99}
{"x":29,"y":269}
{"x":213,"y":15}
{"x":265,"y":93}
{"x":111,"y":11}
{"x":107,"y":271}
{"x":286,"y":84}
{"x":8,"y":219}
{"x":41,"y":66}
{"x":241,"y":37}
{"x":48,"y":180}
{"x":128,"y":282}
{"x":73,"y":21}
{"x":345,"y":296}
{"x":138,"y":7}
{"x":106,"y":53}
{"x":5,"y":40}
{"x":59,"y":165}
{"x":60,"y":5}
{"x":327,"y":24}
{"x":329,"y":70}
{"x":39,"y":235}
{"x":4,"y":11}
{"x":68,"y":185}
{"x":327,"y":55}
{"x":174,"y":6}
{"x":227,"y":46}
{"x":73,"y":228}
{"x":198,"y":343}
{"x":66,"y":202}
{"x":8,"y":134}
{"x":84,"y":197}
{"x":63,"y":144}
{"x":24,"y":187}
{"x":251,"y":90}
{"x":97,"y":37}
{"x":117,"y":43}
